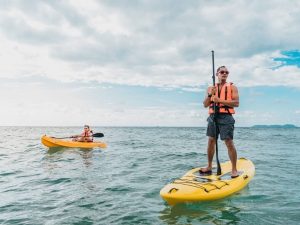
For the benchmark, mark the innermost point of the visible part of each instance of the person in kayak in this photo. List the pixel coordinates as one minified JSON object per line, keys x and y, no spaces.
{"x":85,"y":136}
{"x":226,"y":97}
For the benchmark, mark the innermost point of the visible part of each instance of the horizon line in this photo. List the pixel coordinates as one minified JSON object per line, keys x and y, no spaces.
{"x":154,"y":126}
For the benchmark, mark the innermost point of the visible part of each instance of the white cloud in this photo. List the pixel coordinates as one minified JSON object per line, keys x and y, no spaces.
{"x":163,"y":44}
{"x":149,"y":43}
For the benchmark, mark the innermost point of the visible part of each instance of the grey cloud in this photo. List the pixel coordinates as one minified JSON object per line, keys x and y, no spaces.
{"x":52,"y":13}
{"x":71,"y":15}
{"x":92,"y":53}
{"x":236,"y":28}
{"x":20,"y":31}
{"x":38,"y":10}
{"x":161,"y":34}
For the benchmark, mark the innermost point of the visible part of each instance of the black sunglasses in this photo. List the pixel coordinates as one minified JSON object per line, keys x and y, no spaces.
{"x":224,"y":72}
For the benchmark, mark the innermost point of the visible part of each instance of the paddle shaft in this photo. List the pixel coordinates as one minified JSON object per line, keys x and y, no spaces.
{"x":94,"y":135}
{"x":219,"y":172}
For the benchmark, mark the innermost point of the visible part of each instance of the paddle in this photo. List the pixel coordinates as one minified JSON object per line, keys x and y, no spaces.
{"x":94,"y":135}
{"x":219,"y":172}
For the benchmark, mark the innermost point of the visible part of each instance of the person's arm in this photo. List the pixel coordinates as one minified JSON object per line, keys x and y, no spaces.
{"x":207,"y":98}
{"x":76,"y":136}
{"x":231,"y":103}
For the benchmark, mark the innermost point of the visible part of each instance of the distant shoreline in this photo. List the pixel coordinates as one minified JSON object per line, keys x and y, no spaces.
{"x":275,"y":126}
{"x":103,"y":126}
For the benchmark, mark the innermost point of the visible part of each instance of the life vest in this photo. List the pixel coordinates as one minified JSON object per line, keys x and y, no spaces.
{"x":224,"y":94}
{"x":88,"y":133}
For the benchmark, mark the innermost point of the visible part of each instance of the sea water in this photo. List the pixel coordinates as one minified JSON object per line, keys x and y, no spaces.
{"x":121,"y":184}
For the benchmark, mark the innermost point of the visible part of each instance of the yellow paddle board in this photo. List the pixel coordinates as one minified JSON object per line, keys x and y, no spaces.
{"x":194,"y":187}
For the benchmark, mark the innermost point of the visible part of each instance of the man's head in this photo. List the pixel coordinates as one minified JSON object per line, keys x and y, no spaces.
{"x":86,"y":127}
{"x":222,"y":73}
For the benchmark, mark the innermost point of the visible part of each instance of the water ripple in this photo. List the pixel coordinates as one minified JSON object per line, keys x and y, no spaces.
{"x":121,"y":184}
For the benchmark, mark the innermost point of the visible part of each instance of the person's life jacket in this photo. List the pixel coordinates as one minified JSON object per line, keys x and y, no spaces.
{"x":224,"y":94}
{"x":88,"y":133}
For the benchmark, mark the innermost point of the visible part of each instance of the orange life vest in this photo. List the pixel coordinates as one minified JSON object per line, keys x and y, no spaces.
{"x":224,"y":94}
{"x":88,"y":133}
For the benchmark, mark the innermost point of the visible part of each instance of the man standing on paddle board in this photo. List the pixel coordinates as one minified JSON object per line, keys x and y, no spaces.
{"x":225,"y":96}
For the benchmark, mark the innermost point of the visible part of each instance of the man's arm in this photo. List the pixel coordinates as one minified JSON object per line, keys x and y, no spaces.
{"x":207,"y":98}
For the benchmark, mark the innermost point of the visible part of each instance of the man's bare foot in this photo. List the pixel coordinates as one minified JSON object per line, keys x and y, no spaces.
{"x":206,"y":170}
{"x":234,"y":174}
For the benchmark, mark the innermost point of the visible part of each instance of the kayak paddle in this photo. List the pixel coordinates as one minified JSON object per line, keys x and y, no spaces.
{"x":98,"y":135}
{"x":94,"y":135}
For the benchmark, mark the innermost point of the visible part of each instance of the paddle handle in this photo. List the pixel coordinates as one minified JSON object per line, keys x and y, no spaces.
{"x":213,"y":67}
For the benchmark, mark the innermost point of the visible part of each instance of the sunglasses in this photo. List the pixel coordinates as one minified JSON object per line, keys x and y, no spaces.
{"x":224,"y":72}
{"x":86,"y":128}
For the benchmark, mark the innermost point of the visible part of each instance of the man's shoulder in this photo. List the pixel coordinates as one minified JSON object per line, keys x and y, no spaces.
{"x":232,"y":85}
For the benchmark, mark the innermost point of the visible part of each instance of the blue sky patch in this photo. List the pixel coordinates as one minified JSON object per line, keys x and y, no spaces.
{"x":290,"y":58}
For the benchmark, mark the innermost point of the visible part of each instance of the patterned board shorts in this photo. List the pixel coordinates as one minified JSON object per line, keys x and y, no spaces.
{"x":225,"y":126}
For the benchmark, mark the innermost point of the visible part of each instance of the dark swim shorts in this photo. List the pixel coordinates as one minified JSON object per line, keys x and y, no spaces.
{"x":225,"y":126}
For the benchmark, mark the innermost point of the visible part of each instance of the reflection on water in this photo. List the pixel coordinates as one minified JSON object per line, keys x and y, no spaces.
{"x":217,"y":212}
{"x":87,"y":156}
{"x":58,"y":153}
{"x":63,"y":162}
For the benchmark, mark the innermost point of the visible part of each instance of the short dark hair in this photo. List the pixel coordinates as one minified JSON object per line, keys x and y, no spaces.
{"x":220,"y":68}
{"x":87,"y":126}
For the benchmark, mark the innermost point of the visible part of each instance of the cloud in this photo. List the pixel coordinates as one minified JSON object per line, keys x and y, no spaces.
{"x":150,"y":43}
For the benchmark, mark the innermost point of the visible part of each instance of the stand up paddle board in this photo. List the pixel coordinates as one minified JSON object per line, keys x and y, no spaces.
{"x":195,"y":187}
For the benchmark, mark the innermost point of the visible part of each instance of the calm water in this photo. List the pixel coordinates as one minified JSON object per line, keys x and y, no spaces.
{"x":121,"y":184}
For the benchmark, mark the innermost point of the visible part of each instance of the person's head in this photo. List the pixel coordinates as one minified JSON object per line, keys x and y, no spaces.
{"x":86,"y":127}
{"x":222,"y":73}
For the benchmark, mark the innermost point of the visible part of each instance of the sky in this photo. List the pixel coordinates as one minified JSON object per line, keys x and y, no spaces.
{"x":146,"y":63}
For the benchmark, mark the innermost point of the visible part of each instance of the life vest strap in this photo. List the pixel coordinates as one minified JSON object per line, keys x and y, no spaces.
{"x":223,"y":106}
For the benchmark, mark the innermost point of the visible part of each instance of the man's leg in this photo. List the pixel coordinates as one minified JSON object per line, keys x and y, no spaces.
{"x":210,"y":154}
{"x":232,"y":155}
{"x":210,"y":151}
{"x":210,"y":133}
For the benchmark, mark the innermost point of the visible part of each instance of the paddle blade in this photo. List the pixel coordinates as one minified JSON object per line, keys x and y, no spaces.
{"x":98,"y":135}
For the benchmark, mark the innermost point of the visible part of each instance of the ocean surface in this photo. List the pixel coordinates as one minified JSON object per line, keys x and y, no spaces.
{"x":121,"y":184}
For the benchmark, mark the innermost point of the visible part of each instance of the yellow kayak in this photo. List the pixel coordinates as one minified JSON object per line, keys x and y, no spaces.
{"x":54,"y":142}
{"x":194,"y":187}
